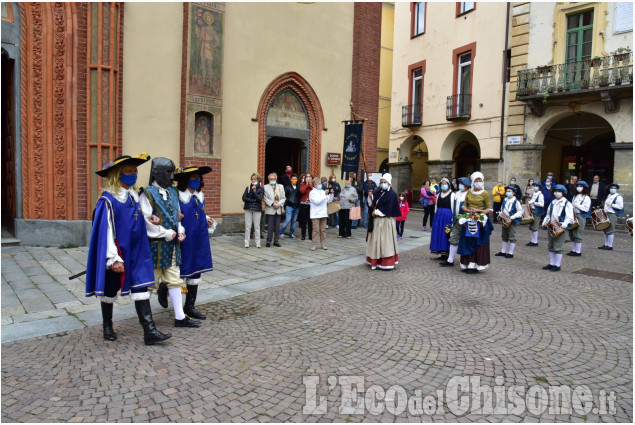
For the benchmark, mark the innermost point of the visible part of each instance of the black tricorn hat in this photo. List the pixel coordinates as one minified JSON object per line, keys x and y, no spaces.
{"x":124,"y":159}
{"x":179,"y":172}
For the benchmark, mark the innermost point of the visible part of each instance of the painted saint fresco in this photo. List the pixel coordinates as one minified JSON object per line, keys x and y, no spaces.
{"x":287,"y":110}
{"x":203,"y":134}
{"x":206,"y":31}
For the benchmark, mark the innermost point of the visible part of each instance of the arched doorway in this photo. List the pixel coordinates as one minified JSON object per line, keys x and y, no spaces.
{"x":8,"y":143}
{"x":466,"y":158}
{"x":593,"y":156}
{"x":290,"y":119}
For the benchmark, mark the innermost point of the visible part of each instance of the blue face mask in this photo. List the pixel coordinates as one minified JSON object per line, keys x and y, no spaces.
{"x":384,"y":186}
{"x":613,"y":190}
{"x":128,"y":179}
{"x":318,"y":187}
{"x":348,"y":185}
{"x":272,"y":182}
{"x":461,"y":187}
{"x":536,"y":188}
{"x":194,"y":184}
{"x":509,"y":194}
{"x":444,"y":187}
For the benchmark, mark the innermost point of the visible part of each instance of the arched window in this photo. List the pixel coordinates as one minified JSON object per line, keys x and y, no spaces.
{"x":203,"y":133}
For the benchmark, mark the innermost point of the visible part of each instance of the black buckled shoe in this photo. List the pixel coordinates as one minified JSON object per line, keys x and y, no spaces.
{"x":500,"y":254}
{"x":509,"y":255}
{"x":446,"y":263}
{"x":548,"y":267}
{"x":555,"y":268}
{"x":532,"y":244}
{"x":574,"y":254}
{"x":186,"y":322}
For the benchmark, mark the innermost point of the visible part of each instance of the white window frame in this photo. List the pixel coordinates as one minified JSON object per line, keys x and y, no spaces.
{"x":458,"y":83}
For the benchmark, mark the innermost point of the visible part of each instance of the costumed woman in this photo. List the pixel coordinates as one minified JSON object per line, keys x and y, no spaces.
{"x":455,"y":234}
{"x":443,"y":216}
{"x":613,"y":206}
{"x":119,"y":253}
{"x":582,"y":209}
{"x":196,"y":254}
{"x":474,"y":242}
{"x":382,"y":249}
{"x":161,"y":199}
{"x":559,"y":210}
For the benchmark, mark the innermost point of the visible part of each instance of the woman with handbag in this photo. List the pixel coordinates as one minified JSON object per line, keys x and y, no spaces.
{"x":334,"y":188}
{"x":348,"y":199}
{"x":428,"y":202}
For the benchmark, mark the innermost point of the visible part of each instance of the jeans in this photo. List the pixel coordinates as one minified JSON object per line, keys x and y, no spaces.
{"x":291,"y":214}
{"x":334,"y":218}
{"x":400,"y":226}
{"x":365,"y":214}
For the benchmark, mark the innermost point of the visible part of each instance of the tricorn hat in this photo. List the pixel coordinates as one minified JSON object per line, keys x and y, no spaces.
{"x":123,"y":160}
{"x":190,"y":169}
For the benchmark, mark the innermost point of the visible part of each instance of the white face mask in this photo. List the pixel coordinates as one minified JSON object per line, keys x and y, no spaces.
{"x":579,"y":189}
{"x":384,"y":186}
{"x":558,"y":195}
{"x":478,"y":185}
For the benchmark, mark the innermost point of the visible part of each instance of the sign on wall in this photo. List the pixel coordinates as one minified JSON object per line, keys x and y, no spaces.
{"x":333,"y":158}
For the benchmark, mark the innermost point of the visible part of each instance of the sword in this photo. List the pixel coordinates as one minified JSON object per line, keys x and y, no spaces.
{"x":75,"y":276}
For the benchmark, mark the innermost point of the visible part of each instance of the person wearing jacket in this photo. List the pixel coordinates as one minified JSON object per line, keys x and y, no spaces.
{"x":319,"y":200}
{"x":428,"y":202}
{"x":443,"y":218}
{"x":348,"y":199}
{"x":582,"y":209}
{"x":382,"y":248}
{"x":547,"y":192}
{"x":304,"y":215}
{"x":291,"y":206}
{"x":401,"y":220}
{"x":334,"y":188}
{"x":274,"y":203}
{"x":514,"y":210}
{"x":613,"y":206}
{"x":498,"y":192}
{"x":455,"y":233}
{"x":559,"y":210}
{"x":355,"y":184}
{"x":252,"y":198}
{"x":369,"y":186}
{"x":537,"y":205}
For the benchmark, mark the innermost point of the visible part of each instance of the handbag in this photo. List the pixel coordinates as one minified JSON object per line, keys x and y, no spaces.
{"x":355,"y":213}
{"x":333,"y":207}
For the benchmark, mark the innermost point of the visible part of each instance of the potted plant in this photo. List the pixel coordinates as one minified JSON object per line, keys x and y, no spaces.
{"x":543,"y":69}
{"x":596,"y":61}
{"x":622,"y":53}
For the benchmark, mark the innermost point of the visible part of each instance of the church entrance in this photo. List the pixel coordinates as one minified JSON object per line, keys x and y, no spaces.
{"x":466,"y":159}
{"x":8,"y":144}
{"x":283,"y":151}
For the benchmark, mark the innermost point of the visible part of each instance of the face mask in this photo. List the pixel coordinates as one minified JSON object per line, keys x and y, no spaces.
{"x":513,"y":182}
{"x":548,"y":184}
{"x":478,"y":185}
{"x":613,"y":190}
{"x":254,"y":183}
{"x":530,"y":183}
{"x":500,"y":183}
{"x":444,"y":187}
{"x":509,"y":194}
{"x":536,"y":188}
{"x":558,"y":195}
{"x":294,"y":181}
{"x":461,"y":187}
{"x":401,"y":198}
{"x":289,"y":172}
{"x":272,"y":182}
{"x":318,"y":187}
{"x":194,"y":184}
{"x":579,"y":189}
{"x":384,"y":186}
{"x":128,"y":179}
{"x":332,"y":180}
{"x":550,"y":176}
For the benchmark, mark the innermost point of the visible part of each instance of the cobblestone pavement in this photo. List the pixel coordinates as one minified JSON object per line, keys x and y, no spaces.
{"x":417,"y":328}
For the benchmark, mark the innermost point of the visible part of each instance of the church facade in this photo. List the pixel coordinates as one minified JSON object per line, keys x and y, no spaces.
{"x":239,"y":87}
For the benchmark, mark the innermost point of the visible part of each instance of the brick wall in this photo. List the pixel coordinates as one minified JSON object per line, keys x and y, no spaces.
{"x":81,"y":127}
{"x":365,"y":84}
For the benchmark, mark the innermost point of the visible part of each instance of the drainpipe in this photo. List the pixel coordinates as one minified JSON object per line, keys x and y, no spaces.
{"x":504,"y":82}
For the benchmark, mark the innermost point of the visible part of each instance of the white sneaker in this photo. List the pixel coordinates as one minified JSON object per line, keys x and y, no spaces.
{"x":292,"y":237}
{"x":327,"y":226}
{"x":247,"y":245}
{"x":324,"y":248}
{"x":313,"y":248}
{"x":337,"y":227}
{"x":282,"y":236}
{"x":257,"y":245}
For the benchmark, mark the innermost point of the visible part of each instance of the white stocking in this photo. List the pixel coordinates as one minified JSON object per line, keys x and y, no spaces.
{"x":512,"y":245}
{"x":552,"y":258}
{"x":177,"y":303}
{"x":453,"y":250}
{"x":606,"y":240}
{"x":609,"y":242}
{"x":557,"y":259}
{"x":504,"y":248}
{"x":578,"y":247}
{"x":534,"y":237}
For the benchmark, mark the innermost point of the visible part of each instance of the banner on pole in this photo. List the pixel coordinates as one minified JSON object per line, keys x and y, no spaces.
{"x":352,"y":146}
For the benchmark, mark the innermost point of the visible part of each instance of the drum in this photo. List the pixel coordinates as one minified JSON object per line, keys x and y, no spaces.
{"x":555,"y":228}
{"x":575,"y":223}
{"x":528,"y":215}
{"x":505,"y":220}
{"x":629,"y":225}
{"x":600,"y":220}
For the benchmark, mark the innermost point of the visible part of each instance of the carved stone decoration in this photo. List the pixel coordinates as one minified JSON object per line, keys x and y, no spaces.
{"x":611,"y":101}
{"x":307,"y":96}
{"x":537,"y":107}
{"x":48,"y":186}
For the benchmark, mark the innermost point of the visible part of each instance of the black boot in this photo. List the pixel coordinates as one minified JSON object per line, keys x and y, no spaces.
{"x":190,"y":299}
{"x":162,"y":293}
{"x":150,"y":333}
{"x":106,"y":314}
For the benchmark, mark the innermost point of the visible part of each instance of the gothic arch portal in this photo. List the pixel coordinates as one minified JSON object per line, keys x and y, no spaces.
{"x":295,"y":82}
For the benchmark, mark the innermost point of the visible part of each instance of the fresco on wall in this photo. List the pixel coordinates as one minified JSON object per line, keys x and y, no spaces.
{"x":203,"y":133}
{"x":287,"y":110}
{"x":206,"y":32}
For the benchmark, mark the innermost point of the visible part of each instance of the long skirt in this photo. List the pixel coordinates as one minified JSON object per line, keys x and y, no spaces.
{"x":439,"y":240}
{"x":474,"y":252}
{"x":382,"y":249}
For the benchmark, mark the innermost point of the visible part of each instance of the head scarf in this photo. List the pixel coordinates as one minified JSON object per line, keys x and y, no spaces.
{"x":387,"y":177}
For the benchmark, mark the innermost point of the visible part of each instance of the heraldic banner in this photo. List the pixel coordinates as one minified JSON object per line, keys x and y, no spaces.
{"x":352,"y":146}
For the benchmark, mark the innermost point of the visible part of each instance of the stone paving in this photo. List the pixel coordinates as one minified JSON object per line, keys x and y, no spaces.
{"x":286,"y":352}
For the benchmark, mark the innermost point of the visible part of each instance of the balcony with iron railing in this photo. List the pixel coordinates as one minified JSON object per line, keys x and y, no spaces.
{"x":601,"y":77}
{"x":411,"y":115}
{"x":458,"y":107}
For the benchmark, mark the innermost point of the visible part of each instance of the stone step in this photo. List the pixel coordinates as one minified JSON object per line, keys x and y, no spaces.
{"x":10,"y":241}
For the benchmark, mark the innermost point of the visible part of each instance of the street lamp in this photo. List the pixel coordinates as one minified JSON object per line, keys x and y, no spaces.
{"x":577,"y":140}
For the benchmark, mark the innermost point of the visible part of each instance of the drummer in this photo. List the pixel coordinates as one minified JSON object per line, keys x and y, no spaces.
{"x":613,"y":206}
{"x":514,"y":210}
{"x":559,"y":210}
{"x":582,"y":208}
{"x":537,"y":204}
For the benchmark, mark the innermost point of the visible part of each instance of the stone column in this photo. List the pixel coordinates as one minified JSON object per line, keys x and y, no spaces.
{"x":401,"y":175}
{"x":489,"y":168}
{"x":523,"y":162}
{"x":623,"y":174}
{"x":440,"y":169}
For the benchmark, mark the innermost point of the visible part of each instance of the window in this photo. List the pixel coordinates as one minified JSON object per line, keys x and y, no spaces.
{"x":508,"y":72}
{"x":417,"y":93}
{"x":579,"y":36}
{"x":464,"y":88}
{"x":464,"y":7}
{"x":419,"y":18}
{"x":413,"y":112}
